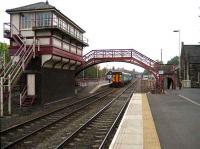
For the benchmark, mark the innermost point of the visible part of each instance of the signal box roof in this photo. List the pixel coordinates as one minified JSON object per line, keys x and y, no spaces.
{"x":35,"y":6}
{"x":41,"y":6}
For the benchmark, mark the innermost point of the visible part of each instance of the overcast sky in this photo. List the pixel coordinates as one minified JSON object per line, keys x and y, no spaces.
{"x":144,"y":25}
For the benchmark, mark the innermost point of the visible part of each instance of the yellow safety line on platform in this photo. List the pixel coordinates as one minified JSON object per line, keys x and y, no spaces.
{"x":151,"y":140}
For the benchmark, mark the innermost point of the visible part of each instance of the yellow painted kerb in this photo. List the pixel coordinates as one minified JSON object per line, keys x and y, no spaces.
{"x":151,"y":140}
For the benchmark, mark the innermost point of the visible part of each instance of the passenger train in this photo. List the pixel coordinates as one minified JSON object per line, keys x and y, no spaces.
{"x":120,"y":78}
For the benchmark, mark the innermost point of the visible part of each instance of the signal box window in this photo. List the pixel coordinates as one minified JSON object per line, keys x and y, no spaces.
{"x":43,"y":19}
{"x":26,"y":21}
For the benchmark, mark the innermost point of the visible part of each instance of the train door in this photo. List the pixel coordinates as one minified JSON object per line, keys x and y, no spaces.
{"x":117,"y":77}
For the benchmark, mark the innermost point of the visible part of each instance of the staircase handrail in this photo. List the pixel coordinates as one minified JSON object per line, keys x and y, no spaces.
{"x":21,"y":64}
{"x":8,"y":66}
{"x":22,"y":95}
{"x":10,"y":63}
{"x":14,"y":28}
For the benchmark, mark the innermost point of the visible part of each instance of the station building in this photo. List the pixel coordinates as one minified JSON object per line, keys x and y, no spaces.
{"x":58,"y":44}
{"x":190,"y":65}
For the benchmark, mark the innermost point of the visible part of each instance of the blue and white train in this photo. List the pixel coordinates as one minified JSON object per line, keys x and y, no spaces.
{"x":120,"y":78}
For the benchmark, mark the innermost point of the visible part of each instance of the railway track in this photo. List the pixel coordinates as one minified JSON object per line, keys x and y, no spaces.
{"x":18,"y":133}
{"x":96,"y":131}
{"x":67,"y":120}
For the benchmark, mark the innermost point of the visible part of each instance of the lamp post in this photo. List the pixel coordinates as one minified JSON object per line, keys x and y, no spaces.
{"x":179,"y":47}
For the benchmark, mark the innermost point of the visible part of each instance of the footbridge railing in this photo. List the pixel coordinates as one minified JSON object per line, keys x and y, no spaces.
{"x":123,"y":55}
{"x":130,"y":56}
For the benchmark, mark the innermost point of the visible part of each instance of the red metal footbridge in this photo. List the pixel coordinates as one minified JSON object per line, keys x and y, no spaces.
{"x":129,"y":56}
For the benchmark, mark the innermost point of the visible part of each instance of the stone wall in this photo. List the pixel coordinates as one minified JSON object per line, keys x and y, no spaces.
{"x":194,"y":72}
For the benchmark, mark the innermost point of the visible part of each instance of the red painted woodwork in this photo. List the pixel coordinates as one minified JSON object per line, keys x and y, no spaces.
{"x":51,"y":50}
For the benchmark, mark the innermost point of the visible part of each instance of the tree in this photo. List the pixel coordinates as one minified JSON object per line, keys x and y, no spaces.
{"x":102,"y":72}
{"x":91,"y":72}
{"x":4,"y":50}
{"x":174,"y":61}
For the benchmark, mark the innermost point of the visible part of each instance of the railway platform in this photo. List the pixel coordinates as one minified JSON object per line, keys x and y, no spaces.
{"x":137,"y":129}
{"x":169,"y":120}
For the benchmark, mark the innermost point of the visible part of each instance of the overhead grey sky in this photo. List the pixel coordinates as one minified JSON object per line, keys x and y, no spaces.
{"x":144,"y":25}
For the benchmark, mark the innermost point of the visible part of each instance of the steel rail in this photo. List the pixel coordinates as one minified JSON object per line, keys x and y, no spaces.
{"x":50,"y":124}
{"x":75,"y":133}
{"x":48,"y":114}
{"x":103,"y":143}
{"x":52,"y":112}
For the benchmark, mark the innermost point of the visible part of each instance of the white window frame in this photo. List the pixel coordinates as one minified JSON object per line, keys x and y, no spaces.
{"x":71,"y":30}
{"x":55,"y":20}
{"x":65,"y":26}
{"x":26,"y":21}
{"x":43,"y":19}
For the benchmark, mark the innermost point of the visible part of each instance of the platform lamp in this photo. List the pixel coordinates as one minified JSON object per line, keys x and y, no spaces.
{"x":179,"y":46}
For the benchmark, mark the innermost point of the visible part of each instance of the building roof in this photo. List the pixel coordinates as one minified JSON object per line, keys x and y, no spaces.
{"x":35,"y":6}
{"x":41,"y":6}
{"x":191,"y":53}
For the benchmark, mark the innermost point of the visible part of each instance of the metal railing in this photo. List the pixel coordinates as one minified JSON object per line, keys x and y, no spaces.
{"x":11,"y":75}
{"x":54,"y":23}
{"x":10,"y":30}
{"x":121,"y":53}
{"x":14,"y":68}
{"x":23,"y":95}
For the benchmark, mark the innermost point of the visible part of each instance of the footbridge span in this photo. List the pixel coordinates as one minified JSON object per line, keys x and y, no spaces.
{"x":129,"y":56}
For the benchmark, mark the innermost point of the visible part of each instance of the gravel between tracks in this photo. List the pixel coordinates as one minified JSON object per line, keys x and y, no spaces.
{"x":36,"y":110}
{"x":51,"y":136}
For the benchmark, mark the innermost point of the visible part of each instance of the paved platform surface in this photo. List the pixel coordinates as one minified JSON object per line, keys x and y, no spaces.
{"x":137,"y":129}
{"x":99,"y":85}
{"x":92,"y":87}
{"x":177,"y":118}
